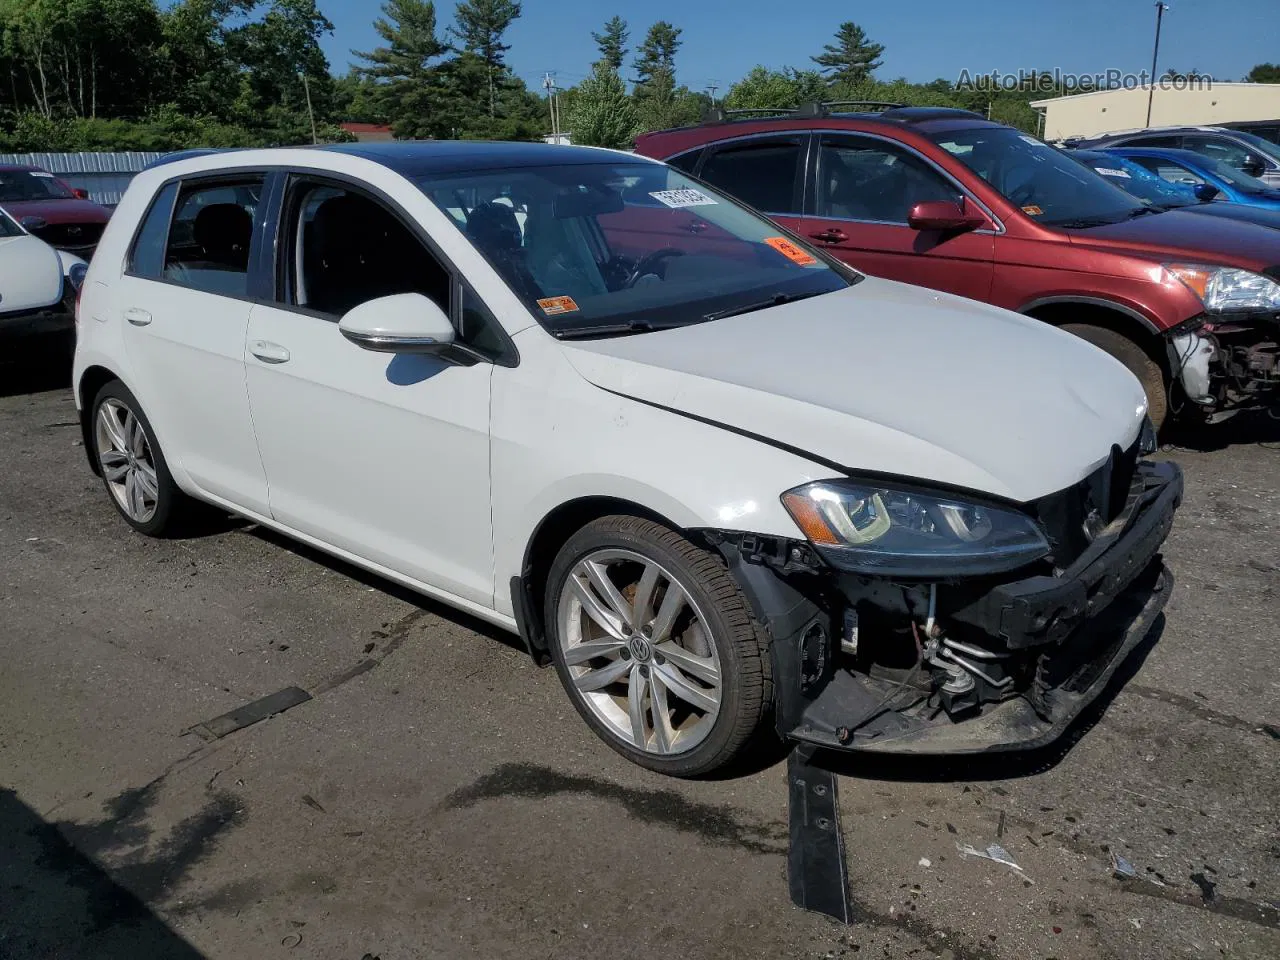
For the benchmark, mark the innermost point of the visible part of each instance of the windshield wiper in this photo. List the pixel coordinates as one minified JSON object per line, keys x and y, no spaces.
{"x":1081,"y":223}
{"x":777,"y":300}
{"x":1139,"y":211}
{"x":612,"y":330}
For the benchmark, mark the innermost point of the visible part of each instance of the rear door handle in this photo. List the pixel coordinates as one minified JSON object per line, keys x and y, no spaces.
{"x":137,"y":316}
{"x":830,"y":236}
{"x":269,"y":352}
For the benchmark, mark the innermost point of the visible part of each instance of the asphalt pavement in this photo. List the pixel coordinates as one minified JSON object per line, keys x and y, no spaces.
{"x":437,"y":796}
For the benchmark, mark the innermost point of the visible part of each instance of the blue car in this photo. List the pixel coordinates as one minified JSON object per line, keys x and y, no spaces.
{"x":1153,"y":190}
{"x":1195,"y":169}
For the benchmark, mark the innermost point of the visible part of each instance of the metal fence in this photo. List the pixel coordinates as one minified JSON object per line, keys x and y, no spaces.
{"x":104,"y":175}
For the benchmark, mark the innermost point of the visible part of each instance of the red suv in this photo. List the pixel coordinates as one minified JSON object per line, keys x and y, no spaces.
{"x":60,"y":215}
{"x":947,"y":199}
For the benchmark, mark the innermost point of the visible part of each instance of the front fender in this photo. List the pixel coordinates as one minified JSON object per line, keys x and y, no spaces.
{"x":558,"y":439}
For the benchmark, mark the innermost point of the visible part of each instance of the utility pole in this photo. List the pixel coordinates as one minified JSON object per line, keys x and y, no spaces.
{"x":712,"y":87}
{"x":549,"y":85}
{"x":1161,"y":7}
{"x":310,"y":113}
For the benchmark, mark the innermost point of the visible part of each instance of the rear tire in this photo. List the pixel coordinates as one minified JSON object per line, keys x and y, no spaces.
{"x":657,"y":647}
{"x":132,"y":465}
{"x":1140,"y":364}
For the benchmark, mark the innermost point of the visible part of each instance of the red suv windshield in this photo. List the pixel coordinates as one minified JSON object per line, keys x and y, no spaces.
{"x":1050,"y":188}
{"x":18,"y":185}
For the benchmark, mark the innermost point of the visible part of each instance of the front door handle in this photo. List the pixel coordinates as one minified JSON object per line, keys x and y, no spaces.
{"x":830,"y":236}
{"x":269,"y":352}
{"x":137,"y":316}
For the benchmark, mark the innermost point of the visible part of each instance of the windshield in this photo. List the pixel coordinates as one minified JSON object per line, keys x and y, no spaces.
{"x":17,"y":185}
{"x":620,"y":247}
{"x":1263,"y":146}
{"x":9,"y":227}
{"x":1050,"y":187}
{"x":1241,"y":181}
{"x":1137,"y":180}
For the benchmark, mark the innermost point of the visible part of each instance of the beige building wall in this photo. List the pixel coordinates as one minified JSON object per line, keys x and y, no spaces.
{"x":1108,"y":111}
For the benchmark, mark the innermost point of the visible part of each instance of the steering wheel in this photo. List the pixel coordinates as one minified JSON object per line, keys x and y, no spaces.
{"x":646,"y":263}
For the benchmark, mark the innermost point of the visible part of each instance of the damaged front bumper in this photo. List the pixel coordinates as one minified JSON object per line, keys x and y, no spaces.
{"x":1225,"y":367}
{"x":868,"y":664}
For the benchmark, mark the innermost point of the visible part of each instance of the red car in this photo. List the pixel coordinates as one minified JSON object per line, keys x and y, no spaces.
{"x":947,"y":199}
{"x":61,"y":216}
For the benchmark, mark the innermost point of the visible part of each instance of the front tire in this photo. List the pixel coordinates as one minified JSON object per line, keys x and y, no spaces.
{"x":1140,"y":364}
{"x":656,"y":646}
{"x":132,"y":465}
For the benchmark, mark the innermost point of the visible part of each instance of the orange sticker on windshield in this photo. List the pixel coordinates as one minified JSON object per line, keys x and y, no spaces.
{"x":553,"y":306}
{"x":791,"y":251}
{"x":1031,"y":210}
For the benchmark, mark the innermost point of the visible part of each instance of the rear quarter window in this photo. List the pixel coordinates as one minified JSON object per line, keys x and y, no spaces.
{"x":146,"y":255}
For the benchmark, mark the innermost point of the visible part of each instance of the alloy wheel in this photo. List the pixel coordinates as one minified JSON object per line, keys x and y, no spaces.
{"x":639,"y":651}
{"x":128,"y":466}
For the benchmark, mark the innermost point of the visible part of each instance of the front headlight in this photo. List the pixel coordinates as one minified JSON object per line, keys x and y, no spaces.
{"x":1226,"y":289}
{"x":896,"y":532}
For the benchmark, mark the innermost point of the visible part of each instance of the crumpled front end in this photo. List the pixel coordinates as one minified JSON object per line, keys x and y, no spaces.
{"x":894,"y":664}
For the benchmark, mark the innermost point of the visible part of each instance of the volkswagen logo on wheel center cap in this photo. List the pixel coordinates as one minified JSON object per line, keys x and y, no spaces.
{"x":639,"y":648}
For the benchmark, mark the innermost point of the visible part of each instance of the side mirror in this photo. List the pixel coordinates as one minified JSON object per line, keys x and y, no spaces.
{"x":403,"y":323}
{"x":944,"y":215}
{"x":1205,"y":191}
{"x":80,"y":193}
{"x":1253,"y":166}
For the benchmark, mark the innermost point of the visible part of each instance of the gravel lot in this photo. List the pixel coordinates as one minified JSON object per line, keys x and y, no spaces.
{"x":439,"y":797}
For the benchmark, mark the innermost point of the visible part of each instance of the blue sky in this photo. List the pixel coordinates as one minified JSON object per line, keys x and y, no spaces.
{"x":923,"y":39}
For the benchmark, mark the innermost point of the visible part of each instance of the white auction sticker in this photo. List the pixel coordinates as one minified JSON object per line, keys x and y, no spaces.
{"x":1109,"y":172}
{"x":683,"y":198}
{"x":41,"y":174}
{"x":1032,"y":140}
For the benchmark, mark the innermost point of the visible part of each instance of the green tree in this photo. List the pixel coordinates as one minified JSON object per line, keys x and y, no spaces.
{"x":285,"y":80}
{"x":481,"y":26}
{"x":852,"y":58}
{"x":613,"y":42}
{"x":658,"y":52}
{"x":1264,"y":73}
{"x":764,"y":89}
{"x":406,"y":70}
{"x":357,"y":97}
{"x":602,"y":114}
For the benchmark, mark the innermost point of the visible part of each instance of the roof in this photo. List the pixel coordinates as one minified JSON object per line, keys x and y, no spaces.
{"x":16,"y":167}
{"x":809,"y":116}
{"x":419,"y":157}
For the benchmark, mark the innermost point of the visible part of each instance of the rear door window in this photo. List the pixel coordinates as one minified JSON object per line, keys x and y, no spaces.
{"x":211,"y":235}
{"x":1219,"y":148}
{"x":764,"y":172}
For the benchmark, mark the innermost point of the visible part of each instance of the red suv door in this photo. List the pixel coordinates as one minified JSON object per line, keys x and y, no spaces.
{"x":863,"y":189}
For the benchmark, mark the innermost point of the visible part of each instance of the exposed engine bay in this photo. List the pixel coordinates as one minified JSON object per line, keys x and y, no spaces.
{"x":974,"y":664}
{"x":1226,"y":368}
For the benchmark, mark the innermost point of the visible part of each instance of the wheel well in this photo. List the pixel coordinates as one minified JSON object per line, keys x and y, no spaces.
{"x":91,"y":381}
{"x":551,"y":534}
{"x":1099,"y":315}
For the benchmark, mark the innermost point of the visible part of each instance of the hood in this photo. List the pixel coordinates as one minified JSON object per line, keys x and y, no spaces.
{"x":893,"y":379}
{"x":1238,"y":211}
{"x":57,"y":211}
{"x":30,"y":274}
{"x":1177,"y":234}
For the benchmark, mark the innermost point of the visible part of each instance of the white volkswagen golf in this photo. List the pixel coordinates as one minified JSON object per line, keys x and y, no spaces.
{"x":721,"y":482}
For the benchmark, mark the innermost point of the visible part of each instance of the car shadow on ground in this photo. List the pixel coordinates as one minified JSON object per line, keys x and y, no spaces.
{"x":365,"y":578}
{"x":1255,"y":427}
{"x":59,"y":903}
{"x":33,"y":365}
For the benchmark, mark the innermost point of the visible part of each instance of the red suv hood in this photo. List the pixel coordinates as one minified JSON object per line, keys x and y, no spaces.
{"x":57,"y":211}
{"x":1177,"y":235}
